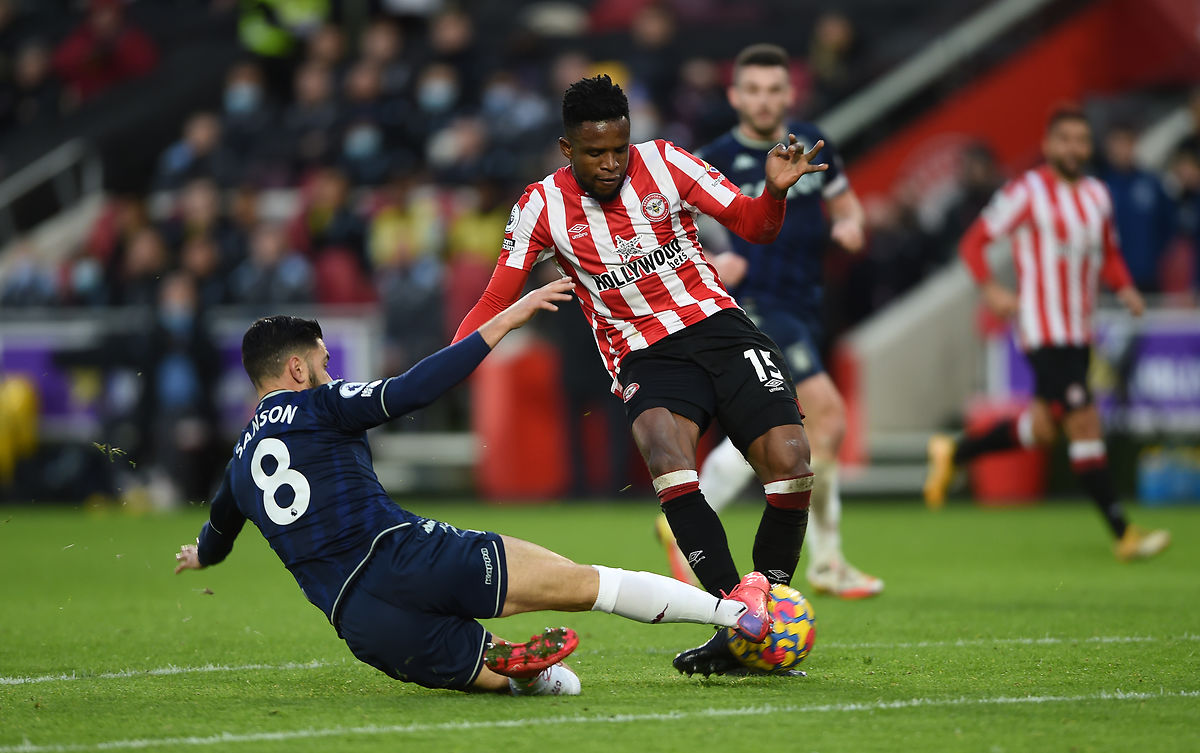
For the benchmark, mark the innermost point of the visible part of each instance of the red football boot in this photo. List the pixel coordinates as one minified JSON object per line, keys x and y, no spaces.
{"x":754,"y":591}
{"x":527,"y":659}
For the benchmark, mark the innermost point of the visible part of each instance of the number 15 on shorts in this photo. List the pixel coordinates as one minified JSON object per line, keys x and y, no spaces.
{"x":768,"y":373}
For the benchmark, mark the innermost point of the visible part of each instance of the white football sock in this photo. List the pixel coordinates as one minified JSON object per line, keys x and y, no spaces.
{"x":557,"y":679}
{"x":649,"y":597}
{"x":724,"y":473}
{"x":824,"y":535}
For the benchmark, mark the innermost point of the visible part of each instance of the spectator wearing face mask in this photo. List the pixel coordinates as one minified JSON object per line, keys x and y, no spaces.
{"x":250,"y":132}
{"x":199,"y":154}
{"x":372,"y":125}
{"x":273,"y":275}
{"x":177,"y":362}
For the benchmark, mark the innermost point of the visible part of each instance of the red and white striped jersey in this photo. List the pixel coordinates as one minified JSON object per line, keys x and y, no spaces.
{"x":637,"y":265}
{"x":1063,"y":241}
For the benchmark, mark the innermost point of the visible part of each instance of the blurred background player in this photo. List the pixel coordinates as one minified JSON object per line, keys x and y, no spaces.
{"x":779,"y":286}
{"x":1060,"y":223}
{"x":620,"y":221}
{"x":405,"y":592}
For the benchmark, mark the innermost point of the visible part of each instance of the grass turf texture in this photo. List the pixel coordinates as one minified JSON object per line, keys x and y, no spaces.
{"x":1009,"y":630}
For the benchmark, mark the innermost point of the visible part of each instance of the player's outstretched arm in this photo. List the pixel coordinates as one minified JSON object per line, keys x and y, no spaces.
{"x":438,"y":373}
{"x":519,"y":313}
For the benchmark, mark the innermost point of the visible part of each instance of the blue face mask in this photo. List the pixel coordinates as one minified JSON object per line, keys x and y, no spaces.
{"x":86,"y":276}
{"x":437,"y":95}
{"x":362,"y":142}
{"x":176,"y":319}
{"x":242,"y":98}
{"x":499,"y":99}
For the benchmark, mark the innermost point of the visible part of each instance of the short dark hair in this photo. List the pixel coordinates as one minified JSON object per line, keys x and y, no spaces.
{"x":270,"y":341}
{"x":764,"y":54}
{"x":592,"y":100}
{"x":1063,"y":113}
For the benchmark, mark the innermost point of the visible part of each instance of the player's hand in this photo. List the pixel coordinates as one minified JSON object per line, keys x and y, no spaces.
{"x":188,"y":558}
{"x":1132,"y":300}
{"x":731,"y":268}
{"x":544,"y":298}
{"x":849,"y":235}
{"x":1002,"y":301}
{"x":787,"y":164}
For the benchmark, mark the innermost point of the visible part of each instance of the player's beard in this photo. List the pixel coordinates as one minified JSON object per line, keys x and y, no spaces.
{"x":1069,"y":168}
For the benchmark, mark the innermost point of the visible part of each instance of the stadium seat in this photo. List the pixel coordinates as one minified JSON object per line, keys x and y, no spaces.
{"x":340,"y":279}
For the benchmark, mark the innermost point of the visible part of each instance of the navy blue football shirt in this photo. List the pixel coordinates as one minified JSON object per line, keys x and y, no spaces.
{"x":788,"y":271}
{"x":301,"y":471}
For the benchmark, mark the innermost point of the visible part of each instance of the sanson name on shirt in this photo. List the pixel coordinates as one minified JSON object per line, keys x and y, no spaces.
{"x":278,"y":414}
{"x":669,"y":255}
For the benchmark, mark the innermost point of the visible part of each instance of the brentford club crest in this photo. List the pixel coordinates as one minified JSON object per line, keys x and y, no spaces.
{"x":629,"y":392}
{"x":654,"y":207}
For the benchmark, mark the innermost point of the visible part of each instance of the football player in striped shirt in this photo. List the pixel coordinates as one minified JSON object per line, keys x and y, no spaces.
{"x":620,"y":220}
{"x":1060,"y":224}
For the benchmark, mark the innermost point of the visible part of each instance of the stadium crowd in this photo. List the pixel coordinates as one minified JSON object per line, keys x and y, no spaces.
{"x":401,"y":142}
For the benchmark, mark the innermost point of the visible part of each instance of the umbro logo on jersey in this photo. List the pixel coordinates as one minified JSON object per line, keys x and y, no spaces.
{"x":774,"y":385}
{"x":744,"y":162}
{"x":578,"y":231}
{"x":694,"y":558}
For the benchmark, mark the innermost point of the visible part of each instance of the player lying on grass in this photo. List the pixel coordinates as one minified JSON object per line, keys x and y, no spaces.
{"x":405,"y":592}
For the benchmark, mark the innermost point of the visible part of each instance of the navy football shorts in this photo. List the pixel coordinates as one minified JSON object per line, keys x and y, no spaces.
{"x":411,"y":612}
{"x":798,"y":335}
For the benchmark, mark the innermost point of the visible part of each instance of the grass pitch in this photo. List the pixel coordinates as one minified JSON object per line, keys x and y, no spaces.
{"x":1010,"y":630}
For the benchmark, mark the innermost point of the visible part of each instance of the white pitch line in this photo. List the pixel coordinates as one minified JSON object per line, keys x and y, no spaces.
{"x":1027,"y":641}
{"x":226,"y":738}
{"x":318,"y":664}
{"x":1047,"y":640}
{"x":167,"y":670}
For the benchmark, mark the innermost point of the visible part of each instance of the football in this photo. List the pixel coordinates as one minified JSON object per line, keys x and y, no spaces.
{"x":791,"y":636}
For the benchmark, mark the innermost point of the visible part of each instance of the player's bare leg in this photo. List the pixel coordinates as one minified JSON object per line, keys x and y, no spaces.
{"x":825,"y":421}
{"x":668,"y":444}
{"x":1089,"y":461}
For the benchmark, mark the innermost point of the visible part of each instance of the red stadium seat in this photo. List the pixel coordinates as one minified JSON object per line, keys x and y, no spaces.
{"x":340,"y":279}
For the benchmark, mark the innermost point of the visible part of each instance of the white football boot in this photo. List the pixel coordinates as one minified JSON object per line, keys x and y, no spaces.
{"x":557,"y":679}
{"x":840,"y":578}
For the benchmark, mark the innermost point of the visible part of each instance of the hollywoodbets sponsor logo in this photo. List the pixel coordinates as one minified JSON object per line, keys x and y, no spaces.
{"x":667,"y":256}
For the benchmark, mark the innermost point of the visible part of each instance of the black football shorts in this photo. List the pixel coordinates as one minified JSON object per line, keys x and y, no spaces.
{"x":1060,"y":376}
{"x":723,"y":367}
